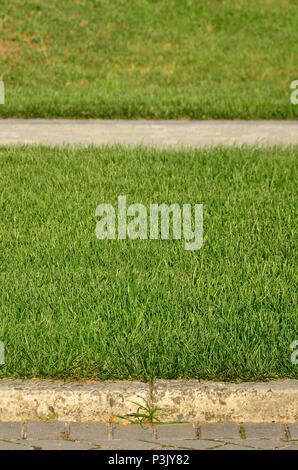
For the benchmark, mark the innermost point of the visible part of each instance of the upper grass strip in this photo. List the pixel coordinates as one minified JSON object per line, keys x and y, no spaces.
{"x":167,"y":59}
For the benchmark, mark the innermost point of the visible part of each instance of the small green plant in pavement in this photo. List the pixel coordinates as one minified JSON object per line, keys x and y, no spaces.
{"x":146,"y":413}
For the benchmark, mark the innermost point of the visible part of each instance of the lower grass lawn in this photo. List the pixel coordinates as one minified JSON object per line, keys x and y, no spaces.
{"x":73,"y":306}
{"x":153,"y":59}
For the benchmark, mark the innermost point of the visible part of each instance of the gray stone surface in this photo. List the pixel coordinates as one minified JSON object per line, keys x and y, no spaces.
{"x":132,"y":431}
{"x":156,"y":133}
{"x":263,"y":444}
{"x":232,"y":447}
{"x":176,"y":431}
{"x":293,"y":430}
{"x":95,"y":436}
{"x":44,"y":430}
{"x":10,"y":430}
{"x":219,"y":430}
{"x":91,"y":432}
{"x":169,"y":448}
{"x":264,"y":431}
{"x":49,"y":435}
{"x":197,"y":444}
{"x":12,"y":446}
{"x":128,"y":444}
{"x":53,"y":444}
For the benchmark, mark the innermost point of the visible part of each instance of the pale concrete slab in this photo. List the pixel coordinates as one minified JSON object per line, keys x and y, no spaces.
{"x":153,"y":133}
{"x":216,"y":402}
{"x":71,"y":401}
{"x":191,"y":401}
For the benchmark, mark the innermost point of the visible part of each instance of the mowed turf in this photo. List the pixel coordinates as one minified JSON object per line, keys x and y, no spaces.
{"x":73,"y":306}
{"x":219,"y":59}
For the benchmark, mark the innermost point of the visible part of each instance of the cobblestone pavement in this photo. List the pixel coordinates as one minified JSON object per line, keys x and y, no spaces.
{"x":53,"y":435}
{"x":157,"y":133}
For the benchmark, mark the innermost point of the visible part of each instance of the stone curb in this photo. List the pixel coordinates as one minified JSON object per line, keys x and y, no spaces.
{"x":223,"y":402}
{"x":190,"y":401}
{"x":152,"y":133}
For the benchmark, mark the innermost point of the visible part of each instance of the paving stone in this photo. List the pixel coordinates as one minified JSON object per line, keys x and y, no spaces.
{"x":12,"y":446}
{"x":264,"y":430}
{"x":91,"y":432}
{"x":233,"y":447}
{"x":132,"y":431}
{"x":10,"y":430}
{"x":127,"y":444}
{"x":219,"y":431}
{"x":293,"y":429}
{"x":168,"y":448}
{"x":44,"y":430}
{"x":265,"y":444}
{"x":176,"y":431}
{"x":290,"y":448}
{"x":199,"y":444}
{"x":55,"y":444}
{"x":94,"y":436}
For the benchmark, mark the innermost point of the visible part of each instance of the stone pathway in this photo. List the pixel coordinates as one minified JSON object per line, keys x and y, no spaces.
{"x":53,"y":435}
{"x":157,"y":133}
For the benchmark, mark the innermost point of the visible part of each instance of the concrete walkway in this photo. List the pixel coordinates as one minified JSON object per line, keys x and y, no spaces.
{"x":51,"y":435}
{"x":157,"y":133}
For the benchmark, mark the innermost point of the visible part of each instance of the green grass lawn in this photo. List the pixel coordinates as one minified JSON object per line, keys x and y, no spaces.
{"x":149,"y":59}
{"x":73,"y":306}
